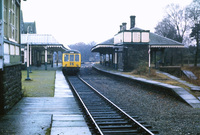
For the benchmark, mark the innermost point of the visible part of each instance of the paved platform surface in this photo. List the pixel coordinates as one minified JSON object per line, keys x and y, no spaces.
{"x":181,"y":92}
{"x":36,"y":115}
{"x":67,"y":124}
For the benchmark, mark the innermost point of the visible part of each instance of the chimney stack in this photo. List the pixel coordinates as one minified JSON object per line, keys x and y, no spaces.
{"x":123,"y":26}
{"x":132,"y":22}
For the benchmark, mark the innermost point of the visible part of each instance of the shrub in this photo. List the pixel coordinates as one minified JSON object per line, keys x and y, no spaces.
{"x":143,"y":69}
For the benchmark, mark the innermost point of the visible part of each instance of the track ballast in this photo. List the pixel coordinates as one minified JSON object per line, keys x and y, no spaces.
{"x":103,"y":116}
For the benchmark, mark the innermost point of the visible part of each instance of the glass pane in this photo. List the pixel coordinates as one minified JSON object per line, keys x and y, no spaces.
{"x":66,"y":57}
{"x":136,"y":36}
{"x":127,"y":36}
{"x":71,"y":57}
{"x":76,"y":57}
{"x":145,"y":36}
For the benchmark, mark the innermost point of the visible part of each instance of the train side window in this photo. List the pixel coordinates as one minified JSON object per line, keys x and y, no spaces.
{"x":71,"y":57}
{"x":77,"y":57}
{"x":66,"y":57}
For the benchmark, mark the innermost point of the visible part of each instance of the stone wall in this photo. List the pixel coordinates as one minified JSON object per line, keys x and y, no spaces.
{"x":129,"y":57}
{"x":10,"y":87}
{"x":174,"y":70}
{"x":135,"y":55}
{"x":120,"y":59}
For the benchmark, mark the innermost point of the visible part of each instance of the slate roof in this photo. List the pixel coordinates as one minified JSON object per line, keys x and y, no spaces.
{"x":108,"y":42}
{"x":105,"y":46}
{"x":41,"y":40}
{"x":156,"y":41}
{"x":38,"y":39}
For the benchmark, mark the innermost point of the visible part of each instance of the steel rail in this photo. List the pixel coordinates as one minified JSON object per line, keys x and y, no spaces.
{"x":84,"y":106}
{"x":131,"y":120}
{"x":144,"y":129}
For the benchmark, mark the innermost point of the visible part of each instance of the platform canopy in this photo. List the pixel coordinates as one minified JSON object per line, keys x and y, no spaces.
{"x":42,"y":40}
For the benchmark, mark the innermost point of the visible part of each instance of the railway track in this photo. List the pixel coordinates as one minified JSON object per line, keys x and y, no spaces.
{"x":104,"y":117}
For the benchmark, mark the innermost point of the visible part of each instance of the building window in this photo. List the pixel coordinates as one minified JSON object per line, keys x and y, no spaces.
{"x":11,"y":20}
{"x":16,"y":50}
{"x":5,"y":18}
{"x":6,"y":48}
{"x":12,"y":50}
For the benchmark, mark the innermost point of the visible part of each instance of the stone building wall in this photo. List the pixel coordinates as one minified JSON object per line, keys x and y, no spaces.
{"x":120,"y":60}
{"x":136,"y":54}
{"x":10,"y":87}
{"x":130,"y":56}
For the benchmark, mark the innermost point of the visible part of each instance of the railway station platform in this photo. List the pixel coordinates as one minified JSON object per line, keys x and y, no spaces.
{"x":178,"y":91}
{"x":49,"y":67}
{"x":58,"y":115}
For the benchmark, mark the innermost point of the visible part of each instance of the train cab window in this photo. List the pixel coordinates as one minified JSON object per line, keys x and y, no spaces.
{"x":66,"y":57}
{"x":71,"y":57}
{"x":77,"y":57}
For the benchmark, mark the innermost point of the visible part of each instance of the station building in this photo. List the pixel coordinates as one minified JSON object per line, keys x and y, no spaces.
{"x":14,"y":50}
{"x":10,"y":63}
{"x":131,"y":46}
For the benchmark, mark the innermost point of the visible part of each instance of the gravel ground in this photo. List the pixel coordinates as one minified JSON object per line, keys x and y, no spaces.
{"x":164,"y":112}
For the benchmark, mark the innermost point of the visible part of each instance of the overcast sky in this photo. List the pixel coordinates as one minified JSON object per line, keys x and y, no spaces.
{"x":72,"y":21}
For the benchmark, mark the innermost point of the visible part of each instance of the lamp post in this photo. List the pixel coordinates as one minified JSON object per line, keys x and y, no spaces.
{"x":30,"y":63}
{"x":149,"y":52}
{"x":28,"y":60}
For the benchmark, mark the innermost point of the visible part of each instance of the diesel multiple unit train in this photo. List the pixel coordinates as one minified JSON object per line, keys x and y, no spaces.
{"x":71,"y":62}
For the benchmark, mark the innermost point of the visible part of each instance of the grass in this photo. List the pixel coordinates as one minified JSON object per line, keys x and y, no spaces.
{"x":156,"y":77}
{"x":41,"y":85}
{"x":165,"y":79}
{"x":195,"y":71}
{"x":143,"y":72}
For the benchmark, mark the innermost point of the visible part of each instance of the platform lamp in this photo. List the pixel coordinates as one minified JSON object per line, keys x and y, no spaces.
{"x":28,"y":60}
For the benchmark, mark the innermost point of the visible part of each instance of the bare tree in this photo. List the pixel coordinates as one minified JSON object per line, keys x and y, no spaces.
{"x":85,"y":50}
{"x":167,"y":29}
{"x":194,"y":14}
{"x":179,"y":18}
